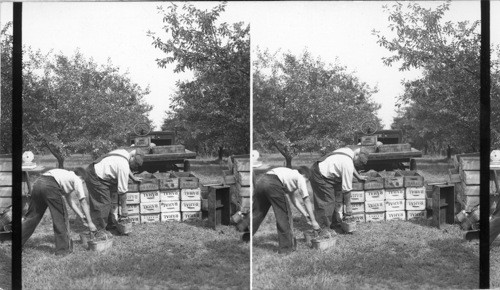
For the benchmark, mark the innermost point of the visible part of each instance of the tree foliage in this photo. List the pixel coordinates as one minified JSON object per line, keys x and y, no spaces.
{"x":73,"y":105}
{"x":441,"y":108}
{"x":302,"y":104}
{"x":212,"y":110}
{"x":6,"y":87}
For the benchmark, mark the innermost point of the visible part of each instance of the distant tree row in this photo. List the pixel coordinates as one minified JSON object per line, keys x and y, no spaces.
{"x":441,"y":108}
{"x":210,"y":113}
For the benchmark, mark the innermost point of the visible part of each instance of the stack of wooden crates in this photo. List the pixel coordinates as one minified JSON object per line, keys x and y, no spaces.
{"x":389,"y":195}
{"x":239,"y":177}
{"x":172,"y":196}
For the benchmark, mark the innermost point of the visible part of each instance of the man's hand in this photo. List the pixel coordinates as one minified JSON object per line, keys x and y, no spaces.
{"x":315,"y":225}
{"x":137,"y":179}
{"x":362,"y":178}
{"x":92,"y":227}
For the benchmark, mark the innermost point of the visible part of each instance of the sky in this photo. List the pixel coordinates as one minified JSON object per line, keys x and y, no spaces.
{"x":336,"y":31}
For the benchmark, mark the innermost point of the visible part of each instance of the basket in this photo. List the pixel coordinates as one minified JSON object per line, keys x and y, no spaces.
{"x":323,"y":244}
{"x":348,"y":227}
{"x":6,"y":217}
{"x":99,"y":246}
{"x":124,"y":228}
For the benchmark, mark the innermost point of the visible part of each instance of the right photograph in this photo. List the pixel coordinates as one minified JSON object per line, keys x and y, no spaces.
{"x":366,"y":145}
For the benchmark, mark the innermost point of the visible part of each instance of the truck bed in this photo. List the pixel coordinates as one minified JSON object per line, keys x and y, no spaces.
{"x":170,"y":156}
{"x":414,"y":153}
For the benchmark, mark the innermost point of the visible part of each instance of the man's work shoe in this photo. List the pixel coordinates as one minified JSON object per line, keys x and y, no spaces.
{"x":245,"y":237}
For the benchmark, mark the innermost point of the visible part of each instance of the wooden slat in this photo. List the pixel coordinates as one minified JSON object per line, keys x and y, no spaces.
{"x":470,"y":177}
{"x":244,"y":178}
{"x":6,"y":192}
{"x":242,"y":164}
{"x":5,"y":202}
{"x":6,"y":178}
{"x":470,"y":163}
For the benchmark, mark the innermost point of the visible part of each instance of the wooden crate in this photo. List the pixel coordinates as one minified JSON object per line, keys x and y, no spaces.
{"x":245,"y":191}
{"x":149,"y":184}
{"x":135,"y":219}
{"x":391,"y":180}
{"x":394,"y":148}
{"x":358,"y":196}
{"x":170,"y":206}
{"x":416,"y":214}
{"x":133,"y":209}
{"x":241,"y":164}
{"x":357,"y":207}
{"x":190,"y":205}
{"x":191,"y":215}
{"x":394,"y":193}
{"x":170,"y":194}
{"x":373,"y":181}
{"x":243,"y":178}
{"x":359,"y":217}
{"x":168,"y":149}
{"x":191,"y":194}
{"x":415,"y":192}
{"x":411,"y":178}
{"x":170,"y":217}
{"x":395,"y":205}
{"x":375,"y":206}
{"x":149,"y":207}
{"x":470,"y":177}
{"x":357,"y":185}
{"x":133,"y":187}
{"x":415,"y":204}
{"x":469,"y":163}
{"x":375,"y":216}
{"x":375,"y":195}
{"x":370,"y":148}
{"x":395,"y":215}
{"x":5,"y":178}
{"x":150,"y":196}
{"x":133,"y":197}
{"x":187,"y":180}
{"x":150,"y":218}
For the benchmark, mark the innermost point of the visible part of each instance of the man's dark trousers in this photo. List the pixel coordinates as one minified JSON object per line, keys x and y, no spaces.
{"x":99,"y":198}
{"x":269,"y":191}
{"x":47,"y":193}
{"x":495,"y":224}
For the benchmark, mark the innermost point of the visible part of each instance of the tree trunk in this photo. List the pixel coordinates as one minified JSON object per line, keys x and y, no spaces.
{"x":448,"y":153}
{"x":288,"y":159}
{"x":60,"y":161}
{"x":221,"y":150}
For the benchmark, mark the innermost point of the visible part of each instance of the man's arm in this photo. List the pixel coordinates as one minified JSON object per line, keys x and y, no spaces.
{"x":308,"y":212}
{"x":86,"y":218}
{"x":86,"y":210}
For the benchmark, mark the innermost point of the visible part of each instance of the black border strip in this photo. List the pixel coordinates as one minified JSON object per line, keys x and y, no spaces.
{"x":17,"y":141}
{"x":484,"y":199}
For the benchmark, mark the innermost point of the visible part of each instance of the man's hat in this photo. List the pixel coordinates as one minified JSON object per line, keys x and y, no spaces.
{"x":255,"y":159}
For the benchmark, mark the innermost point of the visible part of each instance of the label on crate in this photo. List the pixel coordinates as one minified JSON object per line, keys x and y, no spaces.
{"x":171,"y":216}
{"x":374,"y":216}
{"x":132,"y":187}
{"x":415,"y":204}
{"x":149,"y":185}
{"x":133,"y":209}
{"x":150,"y":218}
{"x":191,"y":194}
{"x":415,"y":192}
{"x":169,"y":194}
{"x":416,"y":214}
{"x":395,"y":215}
{"x":170,"y":206}
{"x":150,"y":207}
{"x":375,"y":195}
{"x":359,"y":217}
{"x":133,"y":197}
{"x":375,"y":206}
{"x":395,"y":205}
{"x":191,"y":205}
{"x":150,"y":196}
{"x":394,"y":193}
{"x":357,"y":207}
{"x":191,"y":215}
{"x":135,"y":219}
{"x":357,"y":196}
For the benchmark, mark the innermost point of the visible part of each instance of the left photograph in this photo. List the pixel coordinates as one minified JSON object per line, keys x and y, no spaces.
{"x":136,"y":142}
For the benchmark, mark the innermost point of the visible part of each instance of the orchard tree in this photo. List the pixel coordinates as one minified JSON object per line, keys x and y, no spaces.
{"x":6,"y":89}
{"x":215,"y":106}
{"x":303,"y":104}
{"x":73,"y":105}
{"x":443,"y":105}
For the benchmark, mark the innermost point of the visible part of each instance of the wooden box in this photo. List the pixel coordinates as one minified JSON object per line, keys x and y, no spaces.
{"x":375,"y":206}
{"x":394,"y":148}
{"x":359,"y":217}
{"x":132,"y":187}
{"x":357,"y":185}
{"x":187,"y":180}
{"x":133,"y":197}
{"x":150,"y":218}
{"x":393,"y":181}
{"x":241,"y":164}
{"x":375,"y":216}
{"x":373,"y":181}
{"x":415,"y":192}
{"x":370,"y":148}
{"x":193,"y":215}
{"x":469,"y":163}
{"x":170,"y":194}
{"x":416,"y":214}
{"x":470,"y":177}
{"x":395,"y":215}
{"x":133,"y":209}
{"x":149,"y":207}
{"x":170,"y":216}
{"x":394,"y":193}
{"x":135,"y":219}
{"x":368,"y":140}
{"x":149,"y":184}
{"x":443,"y":205}
{"x":150,"y":196}
{"x":246,"y":192}
{"x":357,"y":207}
{"x":395,"y":205}
{"x":411,"y":178}
{"x":170,"y":206}
{"x":358,"y":196}
{"x":219,"y":206}
{"x":375,"y":195}
{"x":168,"y":149}
{"x":243,"y":178}
{"x":191,"y":194}
{"x":190,"y":205}
{"x":415,"y":204}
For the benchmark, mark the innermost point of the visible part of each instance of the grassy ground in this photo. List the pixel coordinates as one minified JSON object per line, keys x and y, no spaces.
{"x":173,"y":255}
{"x":382,"y":255}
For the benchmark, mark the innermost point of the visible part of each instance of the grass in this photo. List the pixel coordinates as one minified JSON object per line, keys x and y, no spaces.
{"x":172,"y":255}
{"x":380,"y":255}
